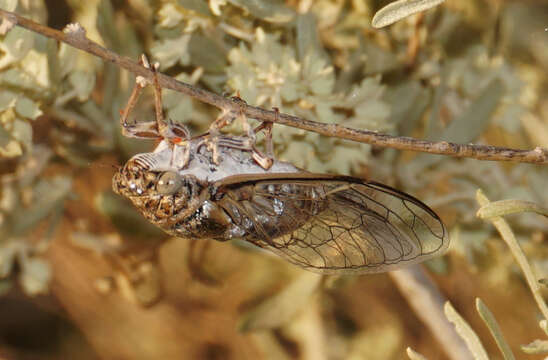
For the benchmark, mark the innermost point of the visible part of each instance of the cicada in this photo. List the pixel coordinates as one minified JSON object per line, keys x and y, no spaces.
{"x":220,"y":187}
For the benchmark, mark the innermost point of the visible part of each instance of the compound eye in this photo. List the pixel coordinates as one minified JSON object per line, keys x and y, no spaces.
{"x":168,"y":183}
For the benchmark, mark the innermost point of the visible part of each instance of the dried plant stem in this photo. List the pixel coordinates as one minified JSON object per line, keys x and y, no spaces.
{"x":508,"y":236}
{"x":508,"y":207}
{"x":427,"y":302}
{"x":466,"y":332}
{"x":75,"y":37}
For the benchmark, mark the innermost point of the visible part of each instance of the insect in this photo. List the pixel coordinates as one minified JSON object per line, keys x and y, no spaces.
{"x":221,"y":187}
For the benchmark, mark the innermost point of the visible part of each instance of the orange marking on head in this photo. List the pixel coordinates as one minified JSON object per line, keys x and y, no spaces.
{"x":176,"y":140}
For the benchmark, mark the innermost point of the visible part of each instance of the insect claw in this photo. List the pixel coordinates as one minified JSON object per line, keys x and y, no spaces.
{"x":264,"y":161}
{"x":239,"y":101}
{"x":214,"y":148}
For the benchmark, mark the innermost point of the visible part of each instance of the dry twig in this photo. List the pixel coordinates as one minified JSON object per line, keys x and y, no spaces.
{"x":426,"y":300}
{"x":75,"y":36}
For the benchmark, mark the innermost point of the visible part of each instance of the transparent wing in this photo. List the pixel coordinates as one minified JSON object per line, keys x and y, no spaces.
{"x":339,"y":224}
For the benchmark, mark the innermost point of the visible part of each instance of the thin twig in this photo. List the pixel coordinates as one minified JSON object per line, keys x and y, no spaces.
{"x":75,"y":36}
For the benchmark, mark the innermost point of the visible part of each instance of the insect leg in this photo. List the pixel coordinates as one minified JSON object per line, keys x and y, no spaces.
{"x":240,"y":143}
{"x":224,"y":119}
{"x":163,"y":126}
{"x":150,"y":129}
{"x":175,"y":134}
{"x":243,"y":119}
{"x":169,"y":130}
{"x":267,"y":127}
{"x":137,"y":130}
{"x":265,"y":161}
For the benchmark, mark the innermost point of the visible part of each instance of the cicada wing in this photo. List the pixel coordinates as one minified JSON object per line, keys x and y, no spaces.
{"x":343,"y":224}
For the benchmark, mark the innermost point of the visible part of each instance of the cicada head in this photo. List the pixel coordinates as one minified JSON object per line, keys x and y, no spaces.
{"x":159,"y":194}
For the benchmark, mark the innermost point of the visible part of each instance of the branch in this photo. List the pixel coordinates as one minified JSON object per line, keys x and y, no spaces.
{"x":75,"y":36}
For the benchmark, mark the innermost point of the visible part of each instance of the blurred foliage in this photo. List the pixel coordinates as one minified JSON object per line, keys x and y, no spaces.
{"x":465,"y":71}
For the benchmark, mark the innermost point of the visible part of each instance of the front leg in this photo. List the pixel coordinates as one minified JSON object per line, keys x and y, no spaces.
{"x":159,"y":128}
{"x":267,"y":160}
{"x":173,"y":132}
{"x":147,"y":129}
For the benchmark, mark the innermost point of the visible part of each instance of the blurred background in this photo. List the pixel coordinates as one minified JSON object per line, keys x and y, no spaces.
{"x":83,"y":276}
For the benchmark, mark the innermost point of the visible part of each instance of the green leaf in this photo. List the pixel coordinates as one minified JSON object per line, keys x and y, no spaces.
{"x":489,"y":320}
{"x":15,"y":46}
{"x":48,"y":194}
{"x":35,"y":275}
{"x":466,"y":333}
{"x":318,"y":75}
{"x":169,"y":15}
{"x":7,"y":99}
{"x":83,"y":83}
{"x":510,"y":239}
{"x":27,"y":108}
{"x":282,"y":307}
{"x":507,"y":207}
{"x":22,"y":132}
{"x":470,"y":124}
{"x":17,"y":78}
{"x":35,"y":67}
{"x":413,"y":355}
{"x":11,"y":149}
{"x":172,"y":51}
{"x":400,"y":9}
{"x":206,"y":53}
{"x":536,"y":347}
{"x":269,"y":10}
{"x":543,"y":324}
{"x":9,"y":5}
{"x":5,"y":137}
{"x":199,"y":6}
{"x":7,"y":257}
{"x":308,"y":42}
{"x":408,"y":101}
